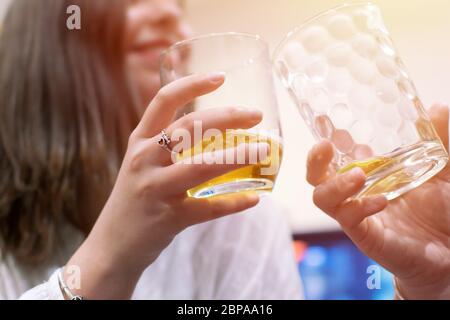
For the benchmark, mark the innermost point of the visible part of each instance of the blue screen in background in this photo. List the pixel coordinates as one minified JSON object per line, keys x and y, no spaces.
{"x":332,"y":268}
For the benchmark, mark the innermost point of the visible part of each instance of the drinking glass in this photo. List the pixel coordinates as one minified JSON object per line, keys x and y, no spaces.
{"x":246,"y":63}
{"x":352,"y":88}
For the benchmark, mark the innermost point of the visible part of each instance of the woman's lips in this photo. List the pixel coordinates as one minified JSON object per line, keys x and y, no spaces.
{"x":148,"y":52}
{"x":151,"y":43}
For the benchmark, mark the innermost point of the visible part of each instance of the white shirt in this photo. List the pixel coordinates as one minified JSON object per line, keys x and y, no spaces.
{"x":244,"y":256}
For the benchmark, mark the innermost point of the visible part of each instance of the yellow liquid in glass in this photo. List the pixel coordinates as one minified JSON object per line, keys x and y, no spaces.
{"x":368,"y":166}
{"x":259,"y":176}
{"x":398,"y":172}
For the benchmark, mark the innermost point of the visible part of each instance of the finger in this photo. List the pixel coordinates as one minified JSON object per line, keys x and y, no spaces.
{"x":202,"y":210}
{"x":203,"y":167}
{"x":352,"y":213}
{"x":343,"y":140}
{"x":331,"y":194}
{"x":186,"y":132}
{"x":217,"y":120}
{"x":362,"y":152}
{"x":439,"y":114}
{"x":177,"y":94}
{"x":318,"y":163}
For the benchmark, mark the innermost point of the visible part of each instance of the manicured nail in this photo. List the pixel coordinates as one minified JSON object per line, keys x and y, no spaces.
{"x":356,"y":173}
{"x":216,"y":77}
{"x":255,"y":113}
{"x":252,"y":196}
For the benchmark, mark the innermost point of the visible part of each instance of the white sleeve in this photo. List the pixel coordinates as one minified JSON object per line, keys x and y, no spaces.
{"x":49,"y":290}
{"x":15,"y":284}
{"x":248,"y":256}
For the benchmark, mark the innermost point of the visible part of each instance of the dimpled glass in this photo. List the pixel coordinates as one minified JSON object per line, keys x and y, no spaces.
{"x":351,"y":88}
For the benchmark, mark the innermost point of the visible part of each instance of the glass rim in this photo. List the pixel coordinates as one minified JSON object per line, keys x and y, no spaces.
{"x":257,"y":38}
{"x":319,"y":15}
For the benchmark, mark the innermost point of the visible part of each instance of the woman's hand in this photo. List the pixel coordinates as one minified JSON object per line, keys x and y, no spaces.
{"x":148,"y":206}
{"x":410,"y":237}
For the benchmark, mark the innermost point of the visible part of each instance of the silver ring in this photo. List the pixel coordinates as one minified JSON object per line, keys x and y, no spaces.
{"x":164,"y":141}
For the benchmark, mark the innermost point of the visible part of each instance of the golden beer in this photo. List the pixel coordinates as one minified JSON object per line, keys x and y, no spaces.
{"x":397,"y":170}
{"x":258,"y":176}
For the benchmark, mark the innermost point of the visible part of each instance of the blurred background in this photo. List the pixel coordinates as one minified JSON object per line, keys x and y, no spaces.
{"x":331,"y":266}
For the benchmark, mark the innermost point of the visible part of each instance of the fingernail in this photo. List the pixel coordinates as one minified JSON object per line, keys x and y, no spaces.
{"x":255,"y":113}
{"x":356,"y":173}
{"x":252,"y":196}
{"x":216,"y":77}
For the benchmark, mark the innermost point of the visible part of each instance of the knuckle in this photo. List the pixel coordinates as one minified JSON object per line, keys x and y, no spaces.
{"x":342,"y":218}
{"x":136,"y":158}
{"x":308,"y":177}
{"x":340,"y":184}
{"x":364,"y":236}
{"x":318,"y":196}
{"x":148,"y":187}
{"x":309,"y":158}
{"x":163,"y":96}
{"x":132,"y":138}
{"x":310,"y":173}
{"x":186,"y":122}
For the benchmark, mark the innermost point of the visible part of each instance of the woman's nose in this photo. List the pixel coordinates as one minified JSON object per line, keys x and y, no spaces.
{"x":166,"y":12}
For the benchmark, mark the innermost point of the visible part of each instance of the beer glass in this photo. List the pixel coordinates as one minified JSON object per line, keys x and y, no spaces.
{"x":351,"y":87}
{"x":246,"y":63}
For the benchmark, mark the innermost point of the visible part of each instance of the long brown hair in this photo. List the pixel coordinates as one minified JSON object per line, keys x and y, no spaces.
{"x":65,"y":108}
